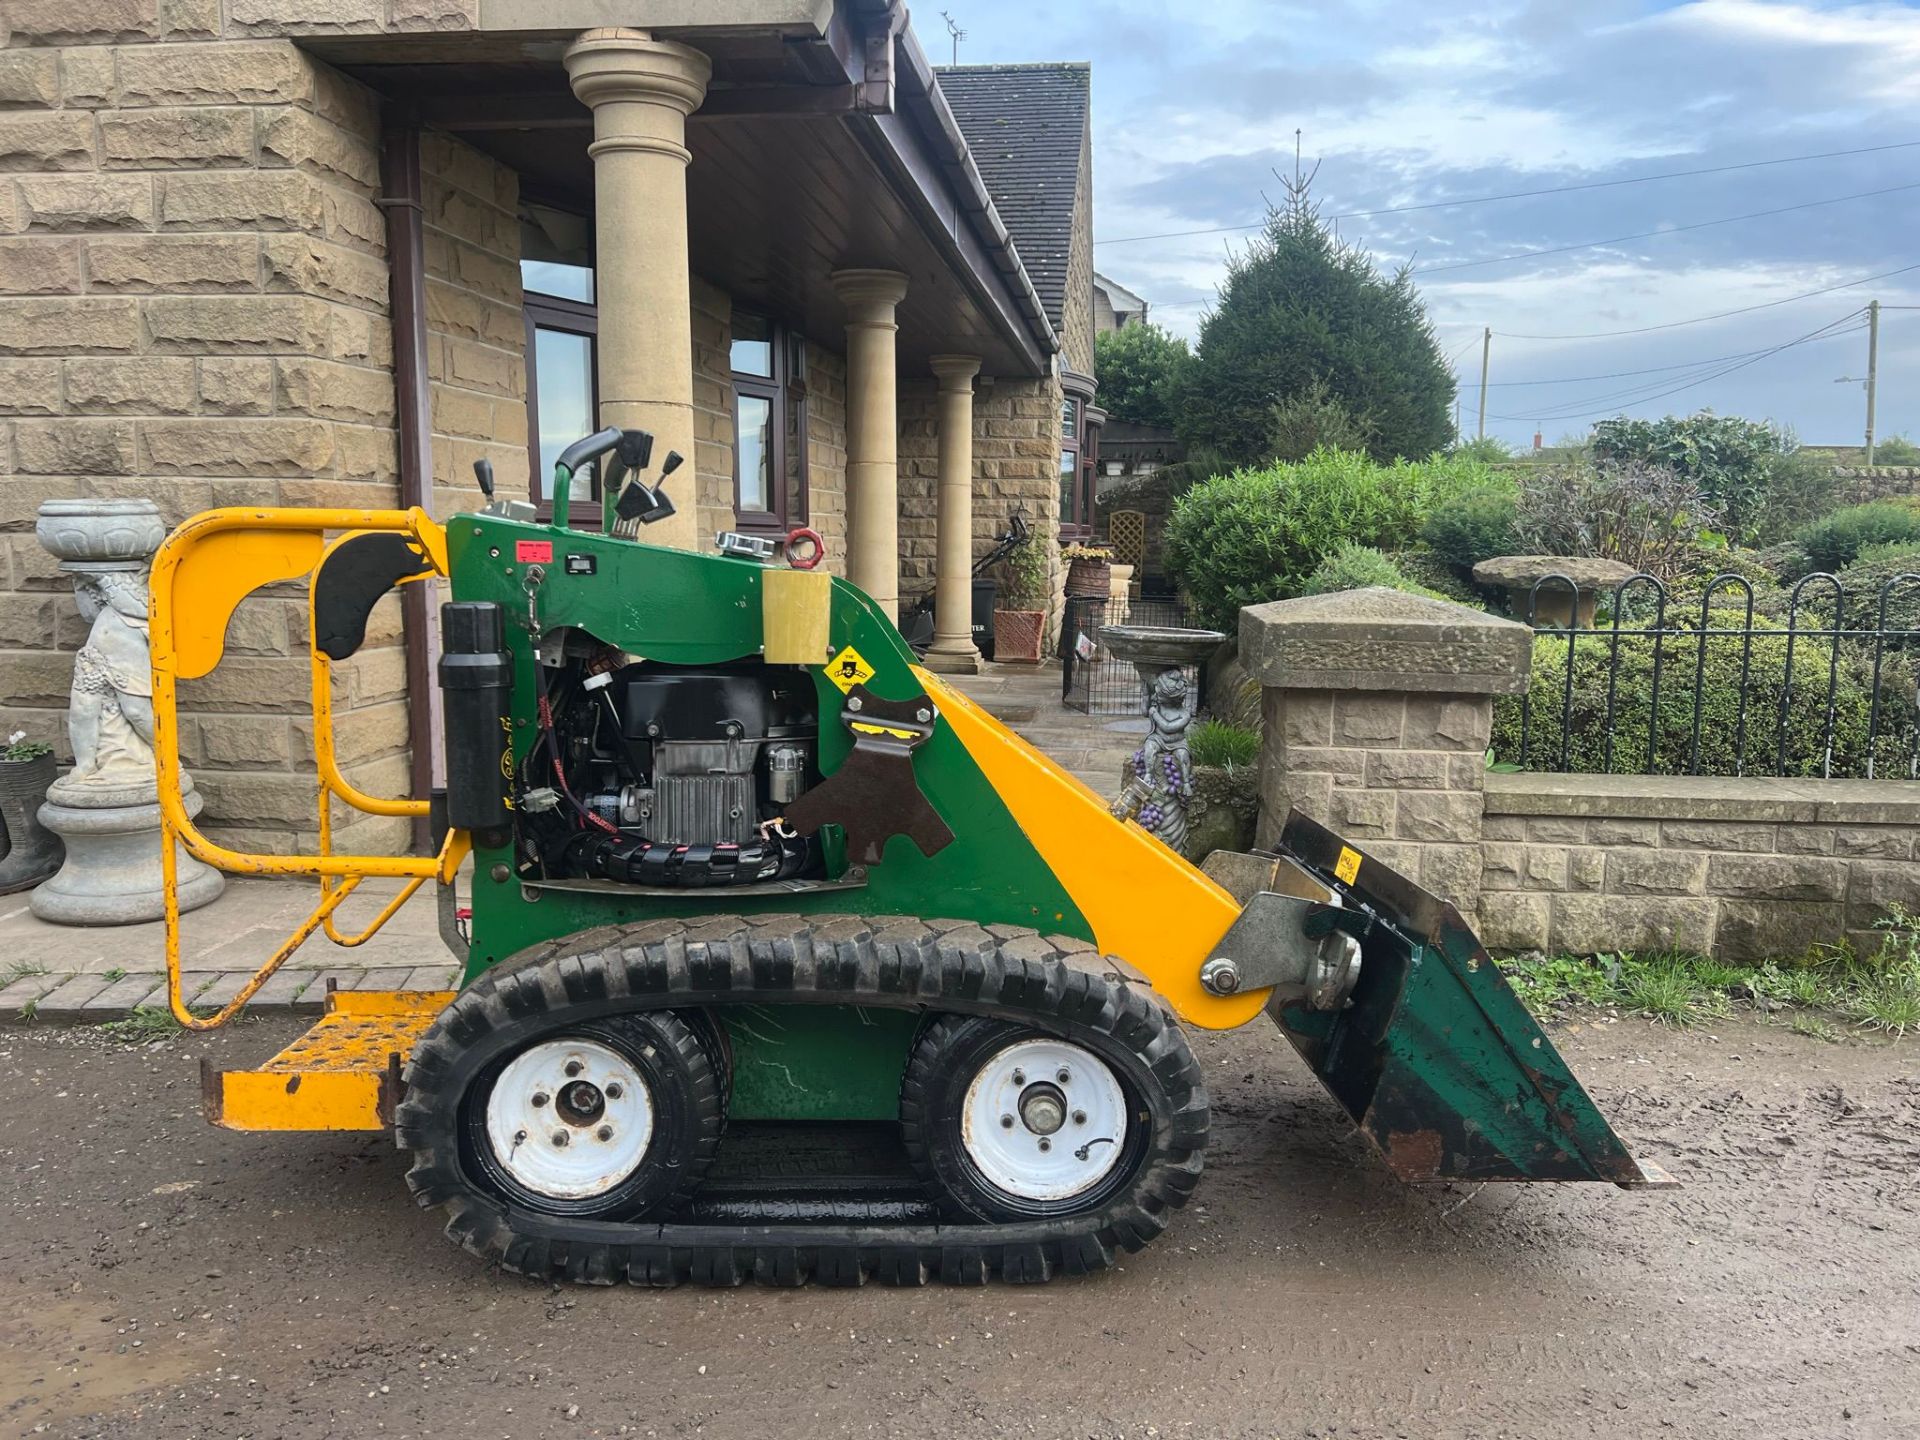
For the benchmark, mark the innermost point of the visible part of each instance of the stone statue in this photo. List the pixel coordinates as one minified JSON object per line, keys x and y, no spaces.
{"x":110,"y":710}
{"x":1159,"y":784}
{"x":107,"y":808}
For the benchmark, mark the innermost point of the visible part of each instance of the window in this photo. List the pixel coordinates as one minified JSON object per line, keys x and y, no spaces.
{"x":556,"y":272}
{"x":769,"y":424}
{"x":1079,"y":445}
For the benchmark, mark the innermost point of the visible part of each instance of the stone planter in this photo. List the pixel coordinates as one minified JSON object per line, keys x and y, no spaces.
{"x":1017,"y":635}
{"x":1224,"y":809}
{"x":29,"y":852}
{"x":1091,"y":579}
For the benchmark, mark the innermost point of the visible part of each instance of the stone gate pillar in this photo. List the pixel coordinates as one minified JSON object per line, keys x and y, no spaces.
{"x":1378,"y":707}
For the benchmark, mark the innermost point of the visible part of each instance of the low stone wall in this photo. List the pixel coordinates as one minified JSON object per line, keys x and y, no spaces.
{"x":1376,"y":709}
{"x":1743,"y":869}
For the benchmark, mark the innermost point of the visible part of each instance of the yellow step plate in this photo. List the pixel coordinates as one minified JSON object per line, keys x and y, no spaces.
{"x":343,"y":1074}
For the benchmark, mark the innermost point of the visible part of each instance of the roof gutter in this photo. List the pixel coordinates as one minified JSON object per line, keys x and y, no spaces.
{"x":907,"y":126}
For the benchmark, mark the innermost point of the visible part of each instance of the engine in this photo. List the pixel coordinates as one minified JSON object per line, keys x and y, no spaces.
{"x":653,"y":774}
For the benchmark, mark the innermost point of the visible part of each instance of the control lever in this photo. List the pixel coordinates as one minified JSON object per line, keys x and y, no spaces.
{"x":483,"y":472}
{"x":643,"y":504}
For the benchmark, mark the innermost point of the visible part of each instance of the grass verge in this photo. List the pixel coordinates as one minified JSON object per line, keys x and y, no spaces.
{"x":1829,"y":985}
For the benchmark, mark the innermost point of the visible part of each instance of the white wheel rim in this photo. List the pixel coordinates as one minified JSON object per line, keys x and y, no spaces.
{"x":534,"y":1104}
{"x":1023,"y":1084}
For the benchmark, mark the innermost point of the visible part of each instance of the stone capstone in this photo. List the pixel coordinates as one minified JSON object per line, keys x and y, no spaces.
{"x":1383,"y":640}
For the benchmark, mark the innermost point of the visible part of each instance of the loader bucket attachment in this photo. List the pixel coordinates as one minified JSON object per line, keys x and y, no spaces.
{"x":1435,"y":1058}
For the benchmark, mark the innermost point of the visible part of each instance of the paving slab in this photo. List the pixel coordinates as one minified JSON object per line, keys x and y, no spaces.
{"x":68,"y":999}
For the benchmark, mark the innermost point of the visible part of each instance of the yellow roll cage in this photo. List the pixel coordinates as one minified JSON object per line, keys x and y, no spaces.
{"x":201,"y":573}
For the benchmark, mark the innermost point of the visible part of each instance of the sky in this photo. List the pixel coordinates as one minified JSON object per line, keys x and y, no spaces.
{"x":1407,"y":102}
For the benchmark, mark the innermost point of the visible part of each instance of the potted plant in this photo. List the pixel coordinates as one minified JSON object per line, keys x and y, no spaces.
{"x":29,"y":852}
{"x":1020,"y":614}
{"x":1089,"y":571}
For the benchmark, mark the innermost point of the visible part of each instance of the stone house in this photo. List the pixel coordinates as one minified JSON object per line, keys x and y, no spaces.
{"x":280,"y":252}
{"x":1114,"y":306}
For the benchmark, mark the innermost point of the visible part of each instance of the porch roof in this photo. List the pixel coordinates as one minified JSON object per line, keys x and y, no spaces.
{"x":823,"y":143}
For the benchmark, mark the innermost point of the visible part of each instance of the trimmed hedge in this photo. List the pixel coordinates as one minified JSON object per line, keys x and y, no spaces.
{"x":1474,"y":526}
{"x":1836,"y":542}
{"x":1257,"y":535}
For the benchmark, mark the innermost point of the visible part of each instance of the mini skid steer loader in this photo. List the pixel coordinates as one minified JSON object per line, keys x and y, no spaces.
{"x":783,"y":959}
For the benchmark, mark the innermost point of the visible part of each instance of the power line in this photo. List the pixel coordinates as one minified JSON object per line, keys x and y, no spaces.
{"x":1655,"y":389}
{"x":1633,"y":396}
{"x":1617,"y":400}
{"x":1621,"y":374}
{"x":1717,"y":315}
{"x":1669,"y":230}
{"x":1530,"y":194}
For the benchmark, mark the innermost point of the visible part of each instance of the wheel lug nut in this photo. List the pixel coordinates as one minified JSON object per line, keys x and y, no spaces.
{"x":1045,"y":1144}
{"x":1019,"y":1077}
{"x":605,"y":1132}
{"x":1006,"y":1122}
{"x":615,"y":1090}
{"x":538,"y":1101}
{"x":1063,"y":1075}
{"x":574,"y":1067}
{"x":560,"y":1137}
{"x":1079,"y":1117}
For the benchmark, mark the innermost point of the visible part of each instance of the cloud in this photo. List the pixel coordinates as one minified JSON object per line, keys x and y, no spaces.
{"x":1404,"y":103}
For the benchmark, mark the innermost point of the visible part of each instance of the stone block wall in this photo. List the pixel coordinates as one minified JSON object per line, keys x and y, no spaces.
{"x":1377,"y":708}
{"x":712,"y":410}
{"x":1016,"y":467}
{"x":476,"y":332}
{"x":193,"y":308}
{"x":1397,"y":774}
{"x":1745,"y":869}
{"x":827,"y":451}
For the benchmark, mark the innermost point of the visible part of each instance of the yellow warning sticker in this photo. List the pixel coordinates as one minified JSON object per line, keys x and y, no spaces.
{"x":848,"y":669}
{"x":1347,"y":867}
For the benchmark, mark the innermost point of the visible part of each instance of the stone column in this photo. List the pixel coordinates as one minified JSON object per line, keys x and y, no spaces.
{"x":1377,"y":710}
{"x":873,"y":430}
{"x":953,"y":651}
{"x":641,"y":91}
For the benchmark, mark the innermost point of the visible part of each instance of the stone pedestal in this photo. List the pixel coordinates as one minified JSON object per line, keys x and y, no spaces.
{"x":112,"y":872}
{"x":107,"y":808}
{"x":1377,"y":710}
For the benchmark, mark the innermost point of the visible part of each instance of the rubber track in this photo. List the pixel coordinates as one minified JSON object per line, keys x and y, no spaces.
{"x":1057,"y":984}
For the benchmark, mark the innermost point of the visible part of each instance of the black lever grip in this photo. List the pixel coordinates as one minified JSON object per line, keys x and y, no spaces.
{"x":590,"y":448}
{"x":636,"y":449}
{"x":483,"y":472}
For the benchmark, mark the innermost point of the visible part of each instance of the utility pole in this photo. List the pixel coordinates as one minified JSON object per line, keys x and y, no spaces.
{"x":1486,"y":350}
{"x":1873,"y":367}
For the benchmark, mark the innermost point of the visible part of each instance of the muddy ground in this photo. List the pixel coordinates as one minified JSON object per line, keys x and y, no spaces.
{"x":162,"y":1279}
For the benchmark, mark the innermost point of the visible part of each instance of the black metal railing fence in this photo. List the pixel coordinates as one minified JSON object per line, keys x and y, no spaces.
{"x":1815,"y":682}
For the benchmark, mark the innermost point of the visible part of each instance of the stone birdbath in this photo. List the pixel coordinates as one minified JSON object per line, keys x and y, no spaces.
{"x":1153,"y":650}
{"x":1553,"y":604}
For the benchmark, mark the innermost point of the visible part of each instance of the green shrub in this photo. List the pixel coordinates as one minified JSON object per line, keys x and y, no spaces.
{"x":1355,"y":567}
{"x":1256,"y":535}
{"x":1429,"y":571}
{"x":1315,"y":419}
{"x":1896,"y":450}
{"x":1834,"y":543}
{"x":1646,"y":516}
{"x":1487,"y":449}
{"x":1218,"y":744}
{"x":1726,"y":748}
{"x":1474,"y":526}
{"x":1729,"y":458}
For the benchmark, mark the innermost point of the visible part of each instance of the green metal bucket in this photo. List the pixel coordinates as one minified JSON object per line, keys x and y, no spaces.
{"x":1435,"y":1057}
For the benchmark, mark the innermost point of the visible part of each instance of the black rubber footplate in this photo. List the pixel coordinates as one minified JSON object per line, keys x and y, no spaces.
{"x":1056,"y":985}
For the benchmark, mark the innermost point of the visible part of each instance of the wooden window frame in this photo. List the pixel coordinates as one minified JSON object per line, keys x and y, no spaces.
{"x":1084,"y":447}
{"x":572,"y":317}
